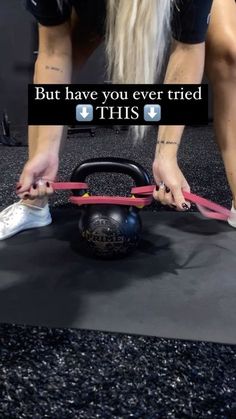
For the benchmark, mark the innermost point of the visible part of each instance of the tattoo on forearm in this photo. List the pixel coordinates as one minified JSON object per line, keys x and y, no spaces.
{"x":167,"y":142}
{"x":54,"y":68}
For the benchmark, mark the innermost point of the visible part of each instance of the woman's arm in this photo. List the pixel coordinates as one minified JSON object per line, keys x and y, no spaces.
{"x":189,"y":27}
{"x":186,"y":65}
{"x":53,"y":66}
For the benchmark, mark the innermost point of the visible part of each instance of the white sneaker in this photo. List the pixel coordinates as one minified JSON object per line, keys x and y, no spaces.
{"x":232,"y":217}
{"x":19,"y":217}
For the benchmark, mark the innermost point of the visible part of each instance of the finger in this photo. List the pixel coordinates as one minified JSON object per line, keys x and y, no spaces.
{"x":33,"y":192}
{"x":49,"y":189}
{"x":155,"y":193}
{"x":179,"y":200}
{"x":168,"y":197}
{"x":37,"y":191}
{"x":161,"y":193}
{"x":24,"y":195}
{"x":42,"y":190}
{"x":25,"y":183}
{"x":186,"y":188}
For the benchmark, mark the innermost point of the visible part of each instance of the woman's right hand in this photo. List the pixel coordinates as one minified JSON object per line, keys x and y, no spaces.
{"x":166,"y":171}
{"x":37,"y":175}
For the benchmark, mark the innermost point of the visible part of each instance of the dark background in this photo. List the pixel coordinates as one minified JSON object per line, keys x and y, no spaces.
{"x":18,"y":43}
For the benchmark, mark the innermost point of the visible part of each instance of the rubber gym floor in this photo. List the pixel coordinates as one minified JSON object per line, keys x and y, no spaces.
{"x":151,"y":336}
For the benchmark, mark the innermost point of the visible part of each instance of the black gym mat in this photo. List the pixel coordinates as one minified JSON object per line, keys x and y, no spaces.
{"x":180,"y":283}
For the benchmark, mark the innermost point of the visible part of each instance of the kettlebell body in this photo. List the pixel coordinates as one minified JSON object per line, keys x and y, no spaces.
{"x":109,"y":231}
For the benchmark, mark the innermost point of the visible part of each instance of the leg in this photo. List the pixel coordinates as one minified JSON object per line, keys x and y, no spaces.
{"x":221,"y":71}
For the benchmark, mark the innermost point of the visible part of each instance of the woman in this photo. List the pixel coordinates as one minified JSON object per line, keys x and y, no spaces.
{"x":136,"y":38}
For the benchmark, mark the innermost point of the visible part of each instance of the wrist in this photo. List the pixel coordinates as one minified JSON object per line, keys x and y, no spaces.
{"x":49,"y":148}
{"x":167,"y":149}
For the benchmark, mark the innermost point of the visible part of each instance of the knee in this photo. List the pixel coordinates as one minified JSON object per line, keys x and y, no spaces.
{"x":221,"y":65}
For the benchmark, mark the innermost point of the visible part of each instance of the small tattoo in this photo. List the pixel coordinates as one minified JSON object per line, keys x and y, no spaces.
{"x":167,"y":142}
{"x":53,"y":68}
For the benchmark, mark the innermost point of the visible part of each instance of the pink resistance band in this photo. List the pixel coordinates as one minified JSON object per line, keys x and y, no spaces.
{"x":145,"y":197}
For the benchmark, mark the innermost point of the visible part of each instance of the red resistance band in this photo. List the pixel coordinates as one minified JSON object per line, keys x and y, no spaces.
{"x":145,"y":197}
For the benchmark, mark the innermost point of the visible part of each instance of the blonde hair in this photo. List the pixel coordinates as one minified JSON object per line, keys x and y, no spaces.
{"x":136,"y":40}
{"x":137,"y":33}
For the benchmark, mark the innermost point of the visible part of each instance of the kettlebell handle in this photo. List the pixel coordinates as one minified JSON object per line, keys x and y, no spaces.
{"x":111,"y":165}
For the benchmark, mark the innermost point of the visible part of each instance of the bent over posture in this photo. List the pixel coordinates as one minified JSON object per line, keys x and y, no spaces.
{"x":136,"y":33}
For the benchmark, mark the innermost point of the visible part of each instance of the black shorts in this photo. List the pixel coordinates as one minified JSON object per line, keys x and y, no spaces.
{"x":189,"y":21}
{"x":91,"y":12}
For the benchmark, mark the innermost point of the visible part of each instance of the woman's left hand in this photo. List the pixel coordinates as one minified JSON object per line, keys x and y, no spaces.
{"x":170,"y":182}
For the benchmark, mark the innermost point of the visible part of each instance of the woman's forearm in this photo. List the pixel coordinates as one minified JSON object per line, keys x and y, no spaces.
{"x":50,"y":69}
{"x":186,"y":66}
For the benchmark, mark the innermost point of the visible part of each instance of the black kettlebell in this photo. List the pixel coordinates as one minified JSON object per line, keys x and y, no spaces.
{"x":105,"y":230}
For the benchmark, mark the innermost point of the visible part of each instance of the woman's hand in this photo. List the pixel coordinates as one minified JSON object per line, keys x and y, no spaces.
{"x":38,"y":173}
{"x":170,"y":182}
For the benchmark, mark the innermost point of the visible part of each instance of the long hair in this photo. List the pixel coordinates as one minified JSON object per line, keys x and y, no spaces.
{"x":136,"y":41}
{"x":137,"y":34}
